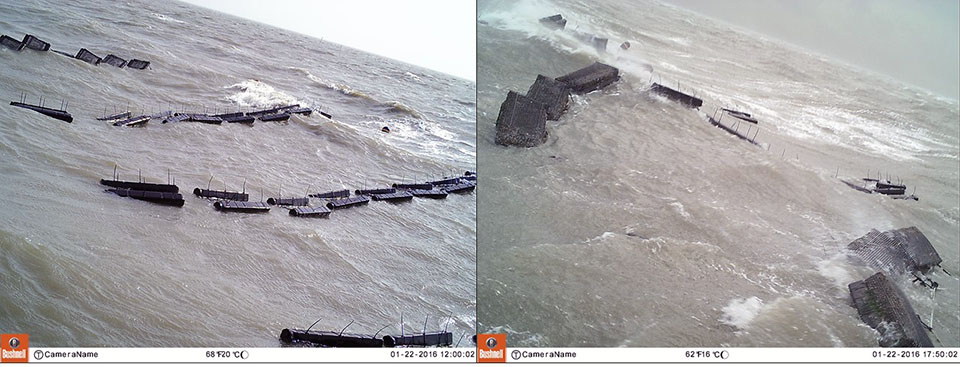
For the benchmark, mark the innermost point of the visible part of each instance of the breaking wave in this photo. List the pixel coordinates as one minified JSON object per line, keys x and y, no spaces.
{"x":402,"y":109}
{"x":339,"y":87}
{"x":254,"y":93}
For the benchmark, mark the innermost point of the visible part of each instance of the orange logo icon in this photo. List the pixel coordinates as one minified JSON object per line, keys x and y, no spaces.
{"x":492,"y":348}
{"x":13,"y":347}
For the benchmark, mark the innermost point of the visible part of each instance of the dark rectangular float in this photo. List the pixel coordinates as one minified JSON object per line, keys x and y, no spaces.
{"x":61,"y":115}
{"x":10,"y":42}
{"x":375,"y":191}
{"x":459,"y":188}
{"x":885,"y":308}
{"x":34,"y":43}
{"x":239,"y":119}
{"x":438,"y":338}
{"x":897,"y":251}
{"x":283,"y":116}
{"x":88,"y":56}
{"x":300,"y":111}
{"x":114,"y":60}
{"x":157,"y":197}
{"x":397,"y":196}
{"x":445,"y":181}
{"x":229,"y":115}
{"x":317,"y":211}
{"x":177,"y":117}
{"x":241,"y":206}
{"x":331,"y":194}
{"x":522,"y":121}
{"x":348,"y":202}
{"x":421,"y":186}
{"x":289,"y":201}
{"x":227,"y":195}
{"x":553,"y":94}
{"x":432,"y":194}
{"x":138,"y":64}
{"x":204,"y":118}
{"x":271,"y":111}
{"x":331,"y":339}
{"x":593,"y":77}
{"x":140,"y":186}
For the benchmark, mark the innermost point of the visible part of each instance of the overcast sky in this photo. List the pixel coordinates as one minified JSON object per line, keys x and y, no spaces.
{"x":435,"y":34}
{"x":915,"y":41}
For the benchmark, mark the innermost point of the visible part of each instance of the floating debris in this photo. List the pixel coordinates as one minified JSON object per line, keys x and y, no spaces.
{"x":683,"y":98}
{"x":133,"y":121}
{"x":554,"y":22}
{"x":741,"y":115}
{"x":885,"y":308}
{"x":881,"y":186}
{"x":735,"y":130}
{"x":118,"y":116}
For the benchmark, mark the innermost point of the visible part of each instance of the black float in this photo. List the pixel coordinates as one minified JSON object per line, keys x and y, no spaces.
{"x":348,"y":202}
{"x":317,"y":211}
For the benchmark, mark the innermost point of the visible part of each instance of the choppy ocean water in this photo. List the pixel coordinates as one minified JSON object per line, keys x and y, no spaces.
{"x":639,"y":224}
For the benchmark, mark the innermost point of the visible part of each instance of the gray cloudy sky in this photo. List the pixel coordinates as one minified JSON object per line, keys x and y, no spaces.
{"x":915,"y":41}
{"x":435,"y":34}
